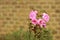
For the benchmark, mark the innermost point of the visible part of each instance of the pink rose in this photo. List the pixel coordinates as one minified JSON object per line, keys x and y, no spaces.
{"x":33,"y":14}
{"x":34,"y":21}
{"x":45,"y":17}
{"x":41,"y":23}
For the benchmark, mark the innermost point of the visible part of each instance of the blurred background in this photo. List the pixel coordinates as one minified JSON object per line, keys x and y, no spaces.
{"x":15,"y":14}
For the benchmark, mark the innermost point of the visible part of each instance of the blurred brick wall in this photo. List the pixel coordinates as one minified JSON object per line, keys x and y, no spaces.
{"x":14,"y":14}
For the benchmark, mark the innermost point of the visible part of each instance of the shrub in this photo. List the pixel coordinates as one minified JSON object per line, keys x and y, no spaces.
{"x":37,"y":29}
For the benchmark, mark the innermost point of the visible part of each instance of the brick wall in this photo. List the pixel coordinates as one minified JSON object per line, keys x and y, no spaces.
{"x":14,"y":14}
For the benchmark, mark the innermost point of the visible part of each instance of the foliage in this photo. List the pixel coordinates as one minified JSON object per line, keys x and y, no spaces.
{"x":45,"y":34}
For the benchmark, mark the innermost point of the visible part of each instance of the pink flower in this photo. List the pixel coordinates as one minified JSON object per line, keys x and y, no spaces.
{"x":33,"y":14}
{"x":45,"y":17}
{"x":34,"y":21}
{"x":41,"y":23}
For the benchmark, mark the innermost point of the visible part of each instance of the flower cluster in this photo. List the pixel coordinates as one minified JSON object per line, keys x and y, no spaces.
{"x":41,"y":22}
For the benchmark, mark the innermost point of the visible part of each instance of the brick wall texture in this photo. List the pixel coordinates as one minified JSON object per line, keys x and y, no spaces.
{"x":14,"y":14}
